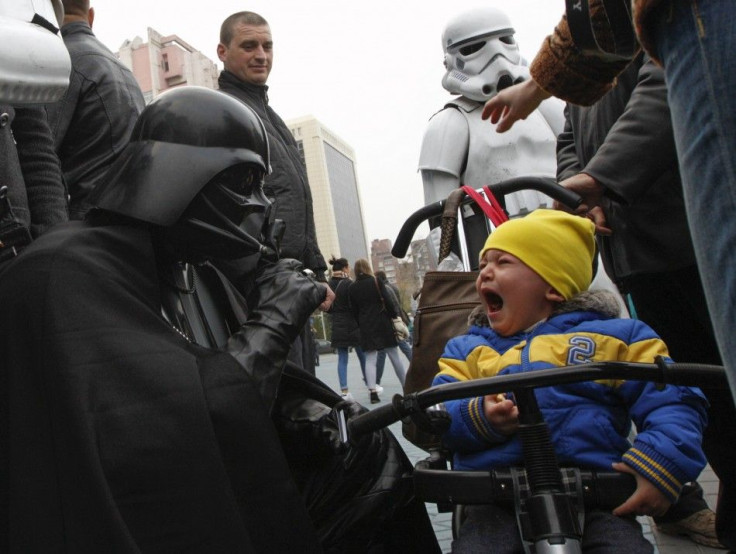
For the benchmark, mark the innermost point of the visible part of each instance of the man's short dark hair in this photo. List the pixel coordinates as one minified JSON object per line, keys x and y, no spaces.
{"x":247,"y":18}
{"x":76,"y":7}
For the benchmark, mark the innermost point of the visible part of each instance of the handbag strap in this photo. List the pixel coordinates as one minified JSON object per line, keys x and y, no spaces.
{"x":383,"y":304}
{"x":337,"y":288}
{"x":491,"y":207}
{"x":449,"y":222}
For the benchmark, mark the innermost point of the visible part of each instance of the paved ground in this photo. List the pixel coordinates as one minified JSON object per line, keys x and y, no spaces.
{"x":327,"y":371}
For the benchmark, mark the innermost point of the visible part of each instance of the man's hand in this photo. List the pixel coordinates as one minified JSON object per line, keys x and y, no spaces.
{"x":329,"y":298}
{"x":501,"y":413}
{"x":514,"y":103}
{"x":591,"y":192}
{"x":647,"y":500}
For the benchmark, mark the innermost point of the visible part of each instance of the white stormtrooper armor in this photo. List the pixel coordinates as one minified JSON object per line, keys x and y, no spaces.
{"x":481,"y":58}
{"x":34,"y":63}
{"x":459,"y":148}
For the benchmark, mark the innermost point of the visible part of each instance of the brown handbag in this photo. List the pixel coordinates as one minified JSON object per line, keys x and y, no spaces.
{"x":446,"y":300}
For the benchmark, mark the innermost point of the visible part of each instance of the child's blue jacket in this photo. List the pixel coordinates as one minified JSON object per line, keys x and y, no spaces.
{"x":589,"y":422}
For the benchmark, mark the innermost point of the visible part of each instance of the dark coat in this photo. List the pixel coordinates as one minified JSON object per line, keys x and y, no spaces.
{"x":30,"y":169}
{"x":374,"y":312}
{"x":118,"y":434}
{"x":345,"y":330}
{"x":287,"y":185}
{"x":625,"y":142}
{"x":92,"y":123}
{"x":395,"y":294}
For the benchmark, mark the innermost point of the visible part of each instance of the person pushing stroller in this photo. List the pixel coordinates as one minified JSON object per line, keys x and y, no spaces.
{"x":533,"y":280}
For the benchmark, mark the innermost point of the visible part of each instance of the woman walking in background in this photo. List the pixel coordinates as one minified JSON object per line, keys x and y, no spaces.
{"x":405,"y":345}
{"x":373,"y":309}
{"x":345,"y":331}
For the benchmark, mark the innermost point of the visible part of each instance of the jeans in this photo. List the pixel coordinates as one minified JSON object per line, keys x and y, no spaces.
{"x":696,"y":41}
{"x":404,"y":346}
{"x":370,"y":366}
{"x":489,"y":528}
{"x":342,"y":364}
{"x":700,"y":70}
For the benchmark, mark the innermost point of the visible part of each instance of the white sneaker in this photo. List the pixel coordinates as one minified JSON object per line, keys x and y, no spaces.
{"x":379,"y":389}
{"x":347,"y":396}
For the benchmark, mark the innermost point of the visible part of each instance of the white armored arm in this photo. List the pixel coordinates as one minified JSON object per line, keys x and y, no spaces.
{"x":444,"y":153}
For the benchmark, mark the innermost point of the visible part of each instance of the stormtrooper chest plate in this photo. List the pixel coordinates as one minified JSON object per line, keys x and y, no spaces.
{"x":528,"y":148}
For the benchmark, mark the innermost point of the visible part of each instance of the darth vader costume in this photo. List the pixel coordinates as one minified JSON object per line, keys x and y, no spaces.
{"x":146,"y":406}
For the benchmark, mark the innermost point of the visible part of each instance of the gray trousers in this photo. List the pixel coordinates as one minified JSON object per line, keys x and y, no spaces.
{"x":491,"y":528}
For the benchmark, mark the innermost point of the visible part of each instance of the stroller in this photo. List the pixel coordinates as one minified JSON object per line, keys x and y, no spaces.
{"x":549,"y":501}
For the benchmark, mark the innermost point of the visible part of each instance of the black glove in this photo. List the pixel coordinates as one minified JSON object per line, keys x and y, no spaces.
{"x":279,"y":305}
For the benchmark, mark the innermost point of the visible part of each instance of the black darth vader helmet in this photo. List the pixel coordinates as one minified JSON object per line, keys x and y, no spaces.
{"x":195,"y":165}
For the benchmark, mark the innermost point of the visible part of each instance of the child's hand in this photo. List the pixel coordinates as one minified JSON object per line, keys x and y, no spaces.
{"x":501,"y":413}
{"x":646,"y":500}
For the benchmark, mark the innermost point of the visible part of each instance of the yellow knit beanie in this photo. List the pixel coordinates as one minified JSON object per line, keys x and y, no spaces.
{"x":556,"y":245}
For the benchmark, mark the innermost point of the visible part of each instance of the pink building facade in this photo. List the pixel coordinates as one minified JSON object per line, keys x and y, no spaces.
{"x":166,"y":62}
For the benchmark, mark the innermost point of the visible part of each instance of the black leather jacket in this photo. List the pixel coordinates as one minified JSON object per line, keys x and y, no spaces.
{"x":30,"y":169}
{"x":287,"y":185}
{"x":93,"y":122}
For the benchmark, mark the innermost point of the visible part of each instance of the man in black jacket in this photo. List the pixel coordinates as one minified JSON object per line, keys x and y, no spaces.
{"x":246,"y":51}
{"x":92,"y":123}
{"x":619,"y":154}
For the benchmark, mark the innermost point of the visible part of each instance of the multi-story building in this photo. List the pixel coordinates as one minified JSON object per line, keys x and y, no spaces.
{"x":333,"y":180}
{"x":383,"y":260}
{"x":166,"y":62}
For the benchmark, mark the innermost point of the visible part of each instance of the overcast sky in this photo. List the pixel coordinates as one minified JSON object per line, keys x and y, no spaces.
{"x":370,"y":71}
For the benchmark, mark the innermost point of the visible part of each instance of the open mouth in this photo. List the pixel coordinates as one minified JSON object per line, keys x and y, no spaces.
{"x":493,"y":301}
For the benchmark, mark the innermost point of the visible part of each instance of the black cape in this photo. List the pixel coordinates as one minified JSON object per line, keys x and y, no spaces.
{"x":117,"y":434}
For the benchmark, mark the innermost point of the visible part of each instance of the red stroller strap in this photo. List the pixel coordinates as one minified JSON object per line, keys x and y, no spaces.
{"x":491,"y":207}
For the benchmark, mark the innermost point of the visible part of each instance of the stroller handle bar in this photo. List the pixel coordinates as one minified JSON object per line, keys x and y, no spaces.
{"x":603,"y":490}
{"x":659,"y":372}
{"x":546,"y":185}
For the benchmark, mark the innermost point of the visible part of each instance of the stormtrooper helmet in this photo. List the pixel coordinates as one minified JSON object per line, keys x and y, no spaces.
{"x":34,"y":63}
{"x":481,"y":54}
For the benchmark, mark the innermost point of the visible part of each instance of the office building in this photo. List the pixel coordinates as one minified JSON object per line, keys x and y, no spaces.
{"x":333,"y":180}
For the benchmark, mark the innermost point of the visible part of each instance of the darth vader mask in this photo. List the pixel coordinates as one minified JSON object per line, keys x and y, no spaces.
{"x":230,"y":218}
